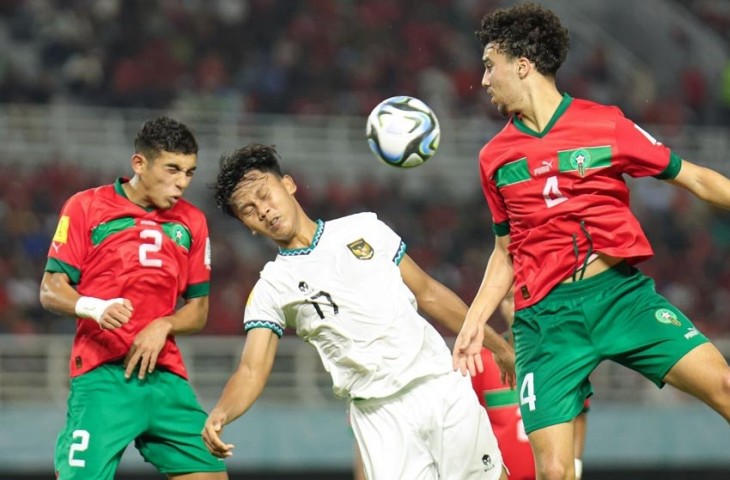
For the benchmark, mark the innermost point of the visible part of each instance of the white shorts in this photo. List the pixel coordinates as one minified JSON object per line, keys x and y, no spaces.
{"x":434,"y":430}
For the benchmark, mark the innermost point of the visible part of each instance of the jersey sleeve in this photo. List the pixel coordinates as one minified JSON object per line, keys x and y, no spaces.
{"x":391,"y":242}
{"x":495,"y":202}
{"x":199,"y":264}
{"x":71,"y":240}
{"x":641,"y":155}
{"x":263,"y":309}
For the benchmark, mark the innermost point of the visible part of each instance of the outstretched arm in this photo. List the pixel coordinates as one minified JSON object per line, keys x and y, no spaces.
{"x":242,"y":388}
{"x":498,"y":278}
{"x":704,"y":183}
{"x":444,"y":306}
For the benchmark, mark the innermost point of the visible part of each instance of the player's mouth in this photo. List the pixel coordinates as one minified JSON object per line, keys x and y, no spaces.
{"x":274,"y":224}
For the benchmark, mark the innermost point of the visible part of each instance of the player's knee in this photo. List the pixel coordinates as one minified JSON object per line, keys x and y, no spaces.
{"x":554,"y":469}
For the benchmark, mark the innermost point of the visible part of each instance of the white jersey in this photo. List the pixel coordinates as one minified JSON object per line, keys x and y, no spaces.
{"x":344,"y":294}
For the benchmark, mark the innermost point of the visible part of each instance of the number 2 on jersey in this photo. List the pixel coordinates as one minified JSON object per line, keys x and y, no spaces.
{"x":79,"y":446}
{"x":551,"y":193}
{"x":146,"y":248}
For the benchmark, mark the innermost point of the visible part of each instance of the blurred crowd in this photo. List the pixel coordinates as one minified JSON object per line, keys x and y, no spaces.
{"x":322,"y":57}
{"x":448,"y":237}
{"x":306,"y":57}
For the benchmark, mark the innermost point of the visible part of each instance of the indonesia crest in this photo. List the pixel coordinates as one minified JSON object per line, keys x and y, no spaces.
{"x":361,"y":249}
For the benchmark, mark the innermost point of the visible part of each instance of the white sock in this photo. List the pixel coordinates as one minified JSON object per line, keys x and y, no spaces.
{"x":578,"y":468}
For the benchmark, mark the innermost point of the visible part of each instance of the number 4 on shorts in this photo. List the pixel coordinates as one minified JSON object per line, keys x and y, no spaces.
{"x":527,"y":391}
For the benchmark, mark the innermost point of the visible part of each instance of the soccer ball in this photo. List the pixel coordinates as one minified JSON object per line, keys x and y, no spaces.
{"x":403,"y":132}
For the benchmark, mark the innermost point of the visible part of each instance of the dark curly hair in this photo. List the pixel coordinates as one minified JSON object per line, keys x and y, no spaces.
{"x":235,"y":165}
{"x":163,"y":134}
{"x":527,"y":30}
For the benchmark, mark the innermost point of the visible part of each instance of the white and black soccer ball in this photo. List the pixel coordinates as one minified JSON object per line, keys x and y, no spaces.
{"x":403,"y":132}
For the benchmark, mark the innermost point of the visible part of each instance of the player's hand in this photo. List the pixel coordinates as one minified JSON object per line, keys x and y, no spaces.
{"x":146,"y":347}
{"x":211,"y":435}
{"x":116,"y":314}
{"x":467,"y":355}
{"x":506,"y":363}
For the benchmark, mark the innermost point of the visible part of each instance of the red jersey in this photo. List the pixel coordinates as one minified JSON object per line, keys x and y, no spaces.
{"x":561,"y":195}
{"x":502,"y":405}
{"x":112,"y":248}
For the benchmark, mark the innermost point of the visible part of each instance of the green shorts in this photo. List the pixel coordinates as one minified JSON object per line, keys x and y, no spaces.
{"x":615,"y":315}
{"x":106,"y":412}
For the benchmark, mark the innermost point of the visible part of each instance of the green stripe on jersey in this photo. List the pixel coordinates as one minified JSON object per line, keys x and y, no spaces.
{"x":501,"y":229}
{"x":57,"y":266}
{"x":511,"y":173}
{"x":672,"y":170}
{"x":500,"y":398}
{"x":106,"y":229}
{"x":197,"y":290}
{"x":585,"y":158}
{"x":176,"y":231}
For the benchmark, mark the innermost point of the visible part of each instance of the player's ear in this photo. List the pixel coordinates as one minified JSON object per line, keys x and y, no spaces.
{"x":289,"y":184}
{"x":138,"y":160}
{"x":524,"y":66}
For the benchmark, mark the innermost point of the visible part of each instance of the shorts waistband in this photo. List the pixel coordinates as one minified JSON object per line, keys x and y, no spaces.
{"x":596,"y":283}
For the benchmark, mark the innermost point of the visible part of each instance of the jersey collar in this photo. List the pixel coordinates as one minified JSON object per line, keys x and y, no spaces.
{"x":520,"y":125}
{"x":118,"y":188}
{"x":286,"y":252}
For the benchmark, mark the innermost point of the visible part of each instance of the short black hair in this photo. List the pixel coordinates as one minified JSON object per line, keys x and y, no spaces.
{"x":235,"y":165}
{"x":527,"y":30}
{"x":163,"y":134}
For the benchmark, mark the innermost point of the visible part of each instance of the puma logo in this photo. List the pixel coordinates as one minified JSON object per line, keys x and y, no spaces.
{"x":547,"y":166}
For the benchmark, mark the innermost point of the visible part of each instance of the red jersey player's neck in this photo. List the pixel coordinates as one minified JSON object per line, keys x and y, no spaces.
{"x":131,"y":190}
{"x":543,"y":101}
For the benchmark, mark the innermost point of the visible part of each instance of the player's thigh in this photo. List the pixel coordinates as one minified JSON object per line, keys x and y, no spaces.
{"x":704,"y":373}
{"x":467,"y":446}
{"x":173,"y":441}
{"x":554,"y":358}
{"x":102,"y":420}
{"x":389,"y":435}
{"x":641,"y":330}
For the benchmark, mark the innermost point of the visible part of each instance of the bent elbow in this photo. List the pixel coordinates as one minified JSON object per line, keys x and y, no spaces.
{"x":45,"y":297}
{"x":199,"y":324}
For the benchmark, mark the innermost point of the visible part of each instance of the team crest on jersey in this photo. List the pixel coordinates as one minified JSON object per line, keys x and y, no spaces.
{"x":667,"y":316}
{"x":361,"y":249}
{"x":580,"y":160}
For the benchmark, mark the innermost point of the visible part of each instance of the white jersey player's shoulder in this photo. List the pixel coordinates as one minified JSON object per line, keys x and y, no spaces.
{"x":354,"y":220}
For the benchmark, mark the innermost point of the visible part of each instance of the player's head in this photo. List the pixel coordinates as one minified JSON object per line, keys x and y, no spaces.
{"x":518,"y":42}
{"x":252,"y":188}
{"x":163,"y":134}
{"x":164,"y":160}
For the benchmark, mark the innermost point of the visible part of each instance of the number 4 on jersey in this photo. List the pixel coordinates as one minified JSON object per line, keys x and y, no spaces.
{"x":551,"y":192}
{"x":527,"y":391}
